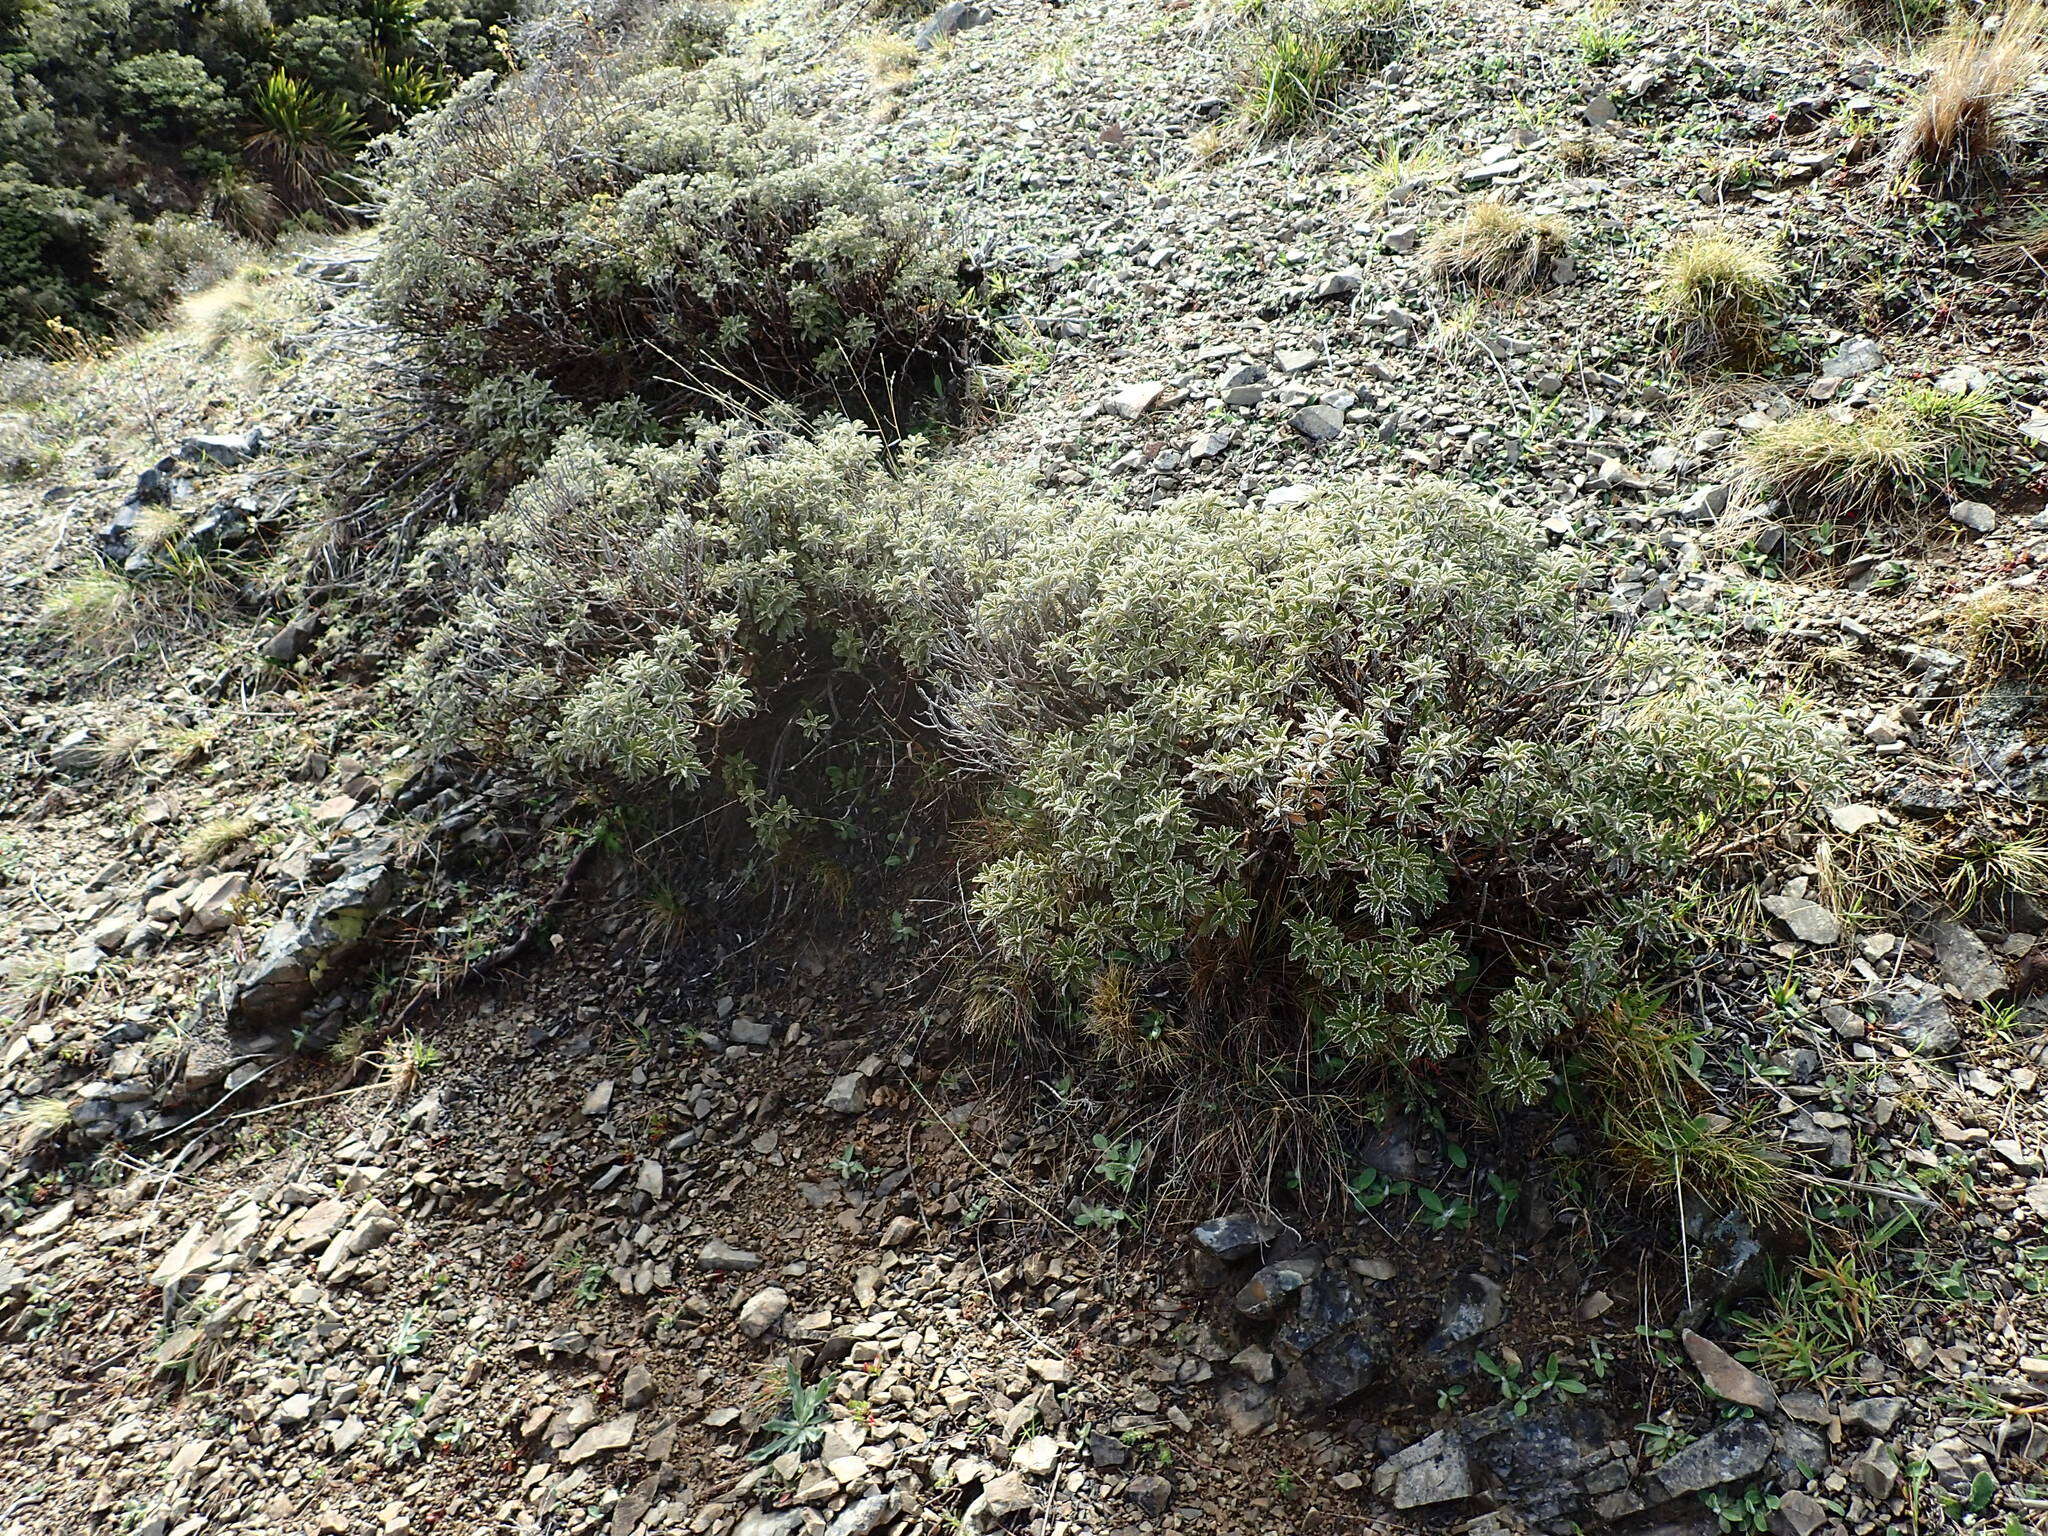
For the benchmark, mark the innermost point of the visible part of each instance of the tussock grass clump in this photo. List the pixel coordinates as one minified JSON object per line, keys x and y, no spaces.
{"x":1305,"y":53}
{"x":1719,"y":293}
{"x":1968,"y":428}
{"x":1497,"y":246}
{"x":215,"y":839}
{"x":1847,"y":467}
{"x":2026,"y":244}
{"x":661,"y":239}
{"x":1350,"y":787}
{"x":1660,"y":1129}
{"x":2004,"y":633}
{"x":97,"y":608}
{"x":1840,"y":466}
{"x":1960,"y":130}
{"x":890,"y":58}
{"x":1602,"y":37}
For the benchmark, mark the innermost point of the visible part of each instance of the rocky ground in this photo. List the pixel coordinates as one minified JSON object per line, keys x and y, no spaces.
{"x":528,"y":1226}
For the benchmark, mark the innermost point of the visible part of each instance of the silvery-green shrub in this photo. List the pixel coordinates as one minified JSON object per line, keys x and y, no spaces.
{"x":1352,"y":783}
{"x":660,"y":236}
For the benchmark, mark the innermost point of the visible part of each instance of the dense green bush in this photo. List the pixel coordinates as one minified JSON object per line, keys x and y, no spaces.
{"x":1352,"y":784}
{"x":663,"y":238}
{"x":117,"y":112}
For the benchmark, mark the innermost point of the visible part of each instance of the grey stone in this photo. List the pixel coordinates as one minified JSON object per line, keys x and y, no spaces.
{"x":1853,"y":358}
{"x":1000,"y":1498}
{"x":302,"y":957}
{"x":950,"y":18}
{"x":1729,"y":1377}
{"x":1875,"y":1472}
{"x":1807,"y":921}
{"x":1262,"y":1294}
{"x":750,"y":1031}
{"x":1967,"y":964}
{"x":1732,"y":1453}
{"x":294,"y":640}
{"x":763,"y":1310}
{"x":638,"y":1388}
{"x":867,"y":1513}
{"x":293,"y":1411}
{"x":1332,"y":1345}
{"x":1798,"y":1514}
{"x":1134,"y":400}
{"x":1434,"y":1470}
{"x":1874,"y":1415}
{"x":1149,"y":1492}
{"x":1337,"y":285}
{"x":1236,"y":1236}
{"x":1973,"y":515}
{"x":848,"y":1094}
{"x":1918,"y":1018}
{"x":723,"y":1258}
{"x":1473,"y":1305}
{"x":599,"y":1439}
{"x":224,"y":451}
{"x":1318,"y":423}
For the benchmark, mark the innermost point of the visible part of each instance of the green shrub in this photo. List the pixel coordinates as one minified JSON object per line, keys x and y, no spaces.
{"x":660,"y":237}
{"x":49,"y":237}
{"x":1352,"y":785}
{"x":171,"y":94}
{"x":145,"y":267}
{"x":113,"y":111}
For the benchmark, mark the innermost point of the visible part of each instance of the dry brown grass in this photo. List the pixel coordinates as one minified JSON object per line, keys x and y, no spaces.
{"x":1495,"y":246}
{"x":1959,"y":132}
{"x":2004,"y":633}
{"x":214,"y":839}
{"x":1719,"y":292}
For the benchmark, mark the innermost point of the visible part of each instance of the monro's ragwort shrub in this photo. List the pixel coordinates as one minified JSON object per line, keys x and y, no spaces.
{"x":1350,"y":785}
{"x":660,"y":236}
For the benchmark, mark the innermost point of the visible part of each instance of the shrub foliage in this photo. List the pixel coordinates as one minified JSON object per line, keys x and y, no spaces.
{"x":1351,"y":786}
{"x":116,"y":115}
{"x":660,"y":238}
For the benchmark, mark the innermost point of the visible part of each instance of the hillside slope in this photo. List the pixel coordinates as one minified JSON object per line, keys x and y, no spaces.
{"x":535,"y":1188}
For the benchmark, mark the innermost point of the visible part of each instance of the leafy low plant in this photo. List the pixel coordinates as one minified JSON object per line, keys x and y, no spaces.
{"x":1603,"y":40}
{"x":1118,"y":1162}
{"x":1521,"y":1387}
{"x":801,"y":1424}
